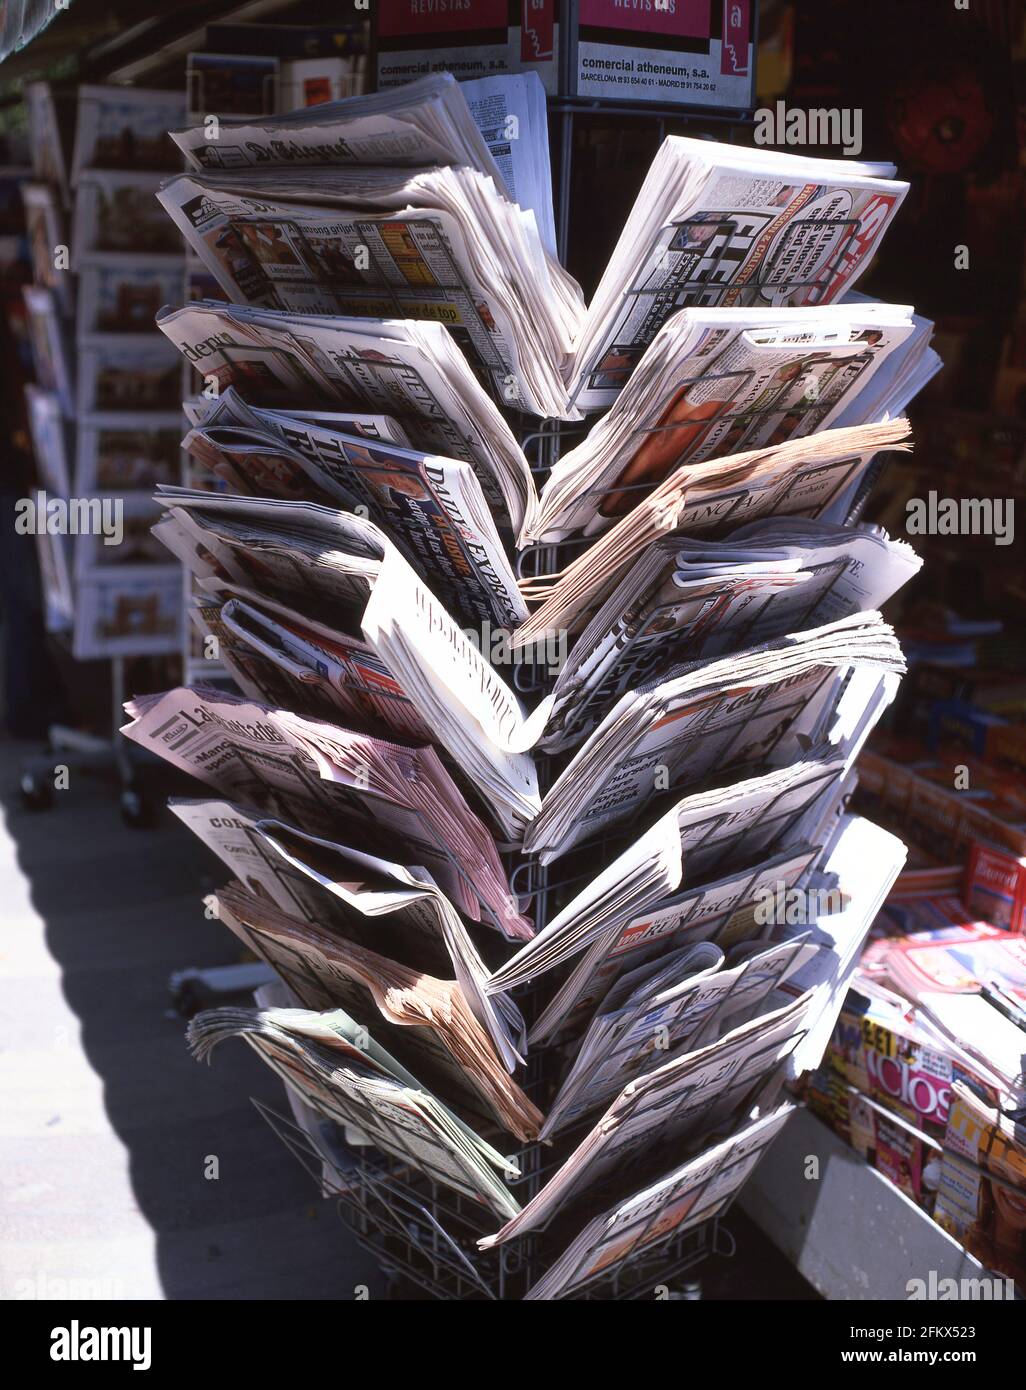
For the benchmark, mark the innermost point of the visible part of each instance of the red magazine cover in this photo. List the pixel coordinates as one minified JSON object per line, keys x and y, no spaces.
{"x":995,"y":886}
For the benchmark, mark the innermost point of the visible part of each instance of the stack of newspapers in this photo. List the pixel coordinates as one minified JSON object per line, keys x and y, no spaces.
{"x":644,"y":878}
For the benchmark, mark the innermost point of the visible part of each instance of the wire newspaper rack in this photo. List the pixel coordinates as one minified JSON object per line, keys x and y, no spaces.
{"x":425,"y":1235}
{"x":420,"y":1233}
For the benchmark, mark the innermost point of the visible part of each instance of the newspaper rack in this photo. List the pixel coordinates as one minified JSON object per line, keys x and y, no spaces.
{"x":421,"y":1234}
{"x":425,"y":1235}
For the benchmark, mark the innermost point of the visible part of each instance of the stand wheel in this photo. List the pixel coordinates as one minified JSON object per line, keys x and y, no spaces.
{"x":135,"y":810}
{"x":36,"y":792}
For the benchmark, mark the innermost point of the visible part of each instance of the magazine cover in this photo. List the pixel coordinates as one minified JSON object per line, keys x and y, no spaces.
{"x":47,"y":239}
{"x":120,"y":536}
{"x":49,"y":441}
{"x":50,"y":351}
{"x":134,"y":611}
{"x":128,"y":373}
{"x":122,"y":294}
{"x":48,"y":430}
{"x":982,"y":1196}
{"x":49,"y":161}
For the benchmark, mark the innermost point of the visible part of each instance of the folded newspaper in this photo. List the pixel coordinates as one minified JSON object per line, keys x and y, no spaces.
{"x":316,"y":773}
{"x":817,"y":476}
{"x":424,"y":122}
{"x":431,"y":507}
{"x":497,"y":125}
{"x":689,"y":599}
{"x":732,"y":227}
{"x":394,"y":909}
{"x":855,"y":874}
{"x":426,"y":1021}
{"x":733,"y":843}
{"x":337,"y":1069}
{"x":412,"y":371}
{"x":347,"y":569}
{"x":674,"y":1004}
{"x":683,"y":1100}
{"x":441,"y":244}
{"x":699,"y":1189}
{"x":717,"y":382}
{"x":760,"y":707}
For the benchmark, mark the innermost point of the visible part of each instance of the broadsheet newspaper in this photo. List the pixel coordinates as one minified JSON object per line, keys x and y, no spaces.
{"x":439,"y":244}
{"x":348,"y":567}
{"x":413,"y":371}
{"x":683,"y":1099}
{"x":392,"y":908}
{"x":694,"y":1192}
{"x":814,"y":477}
{"x":424,"y":122}
{"x":431,"y":506}
{"x":762,"y":706}
{"x":327,"y":1059}
{"x":426,"y":1021}
{"x":734,"y":840}
{"x":718,"y":382}
{"x":683,"y":595}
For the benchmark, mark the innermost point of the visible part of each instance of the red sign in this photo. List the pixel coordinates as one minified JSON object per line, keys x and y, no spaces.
{"x":405,"y":18}
{"x":684,"y":18}
{"x":537,"y":30}
{"x":736,"y":34}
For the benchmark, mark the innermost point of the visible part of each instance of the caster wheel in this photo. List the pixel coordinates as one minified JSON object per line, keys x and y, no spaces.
{"x":36,"y":794}
{"x":135,"y":811}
